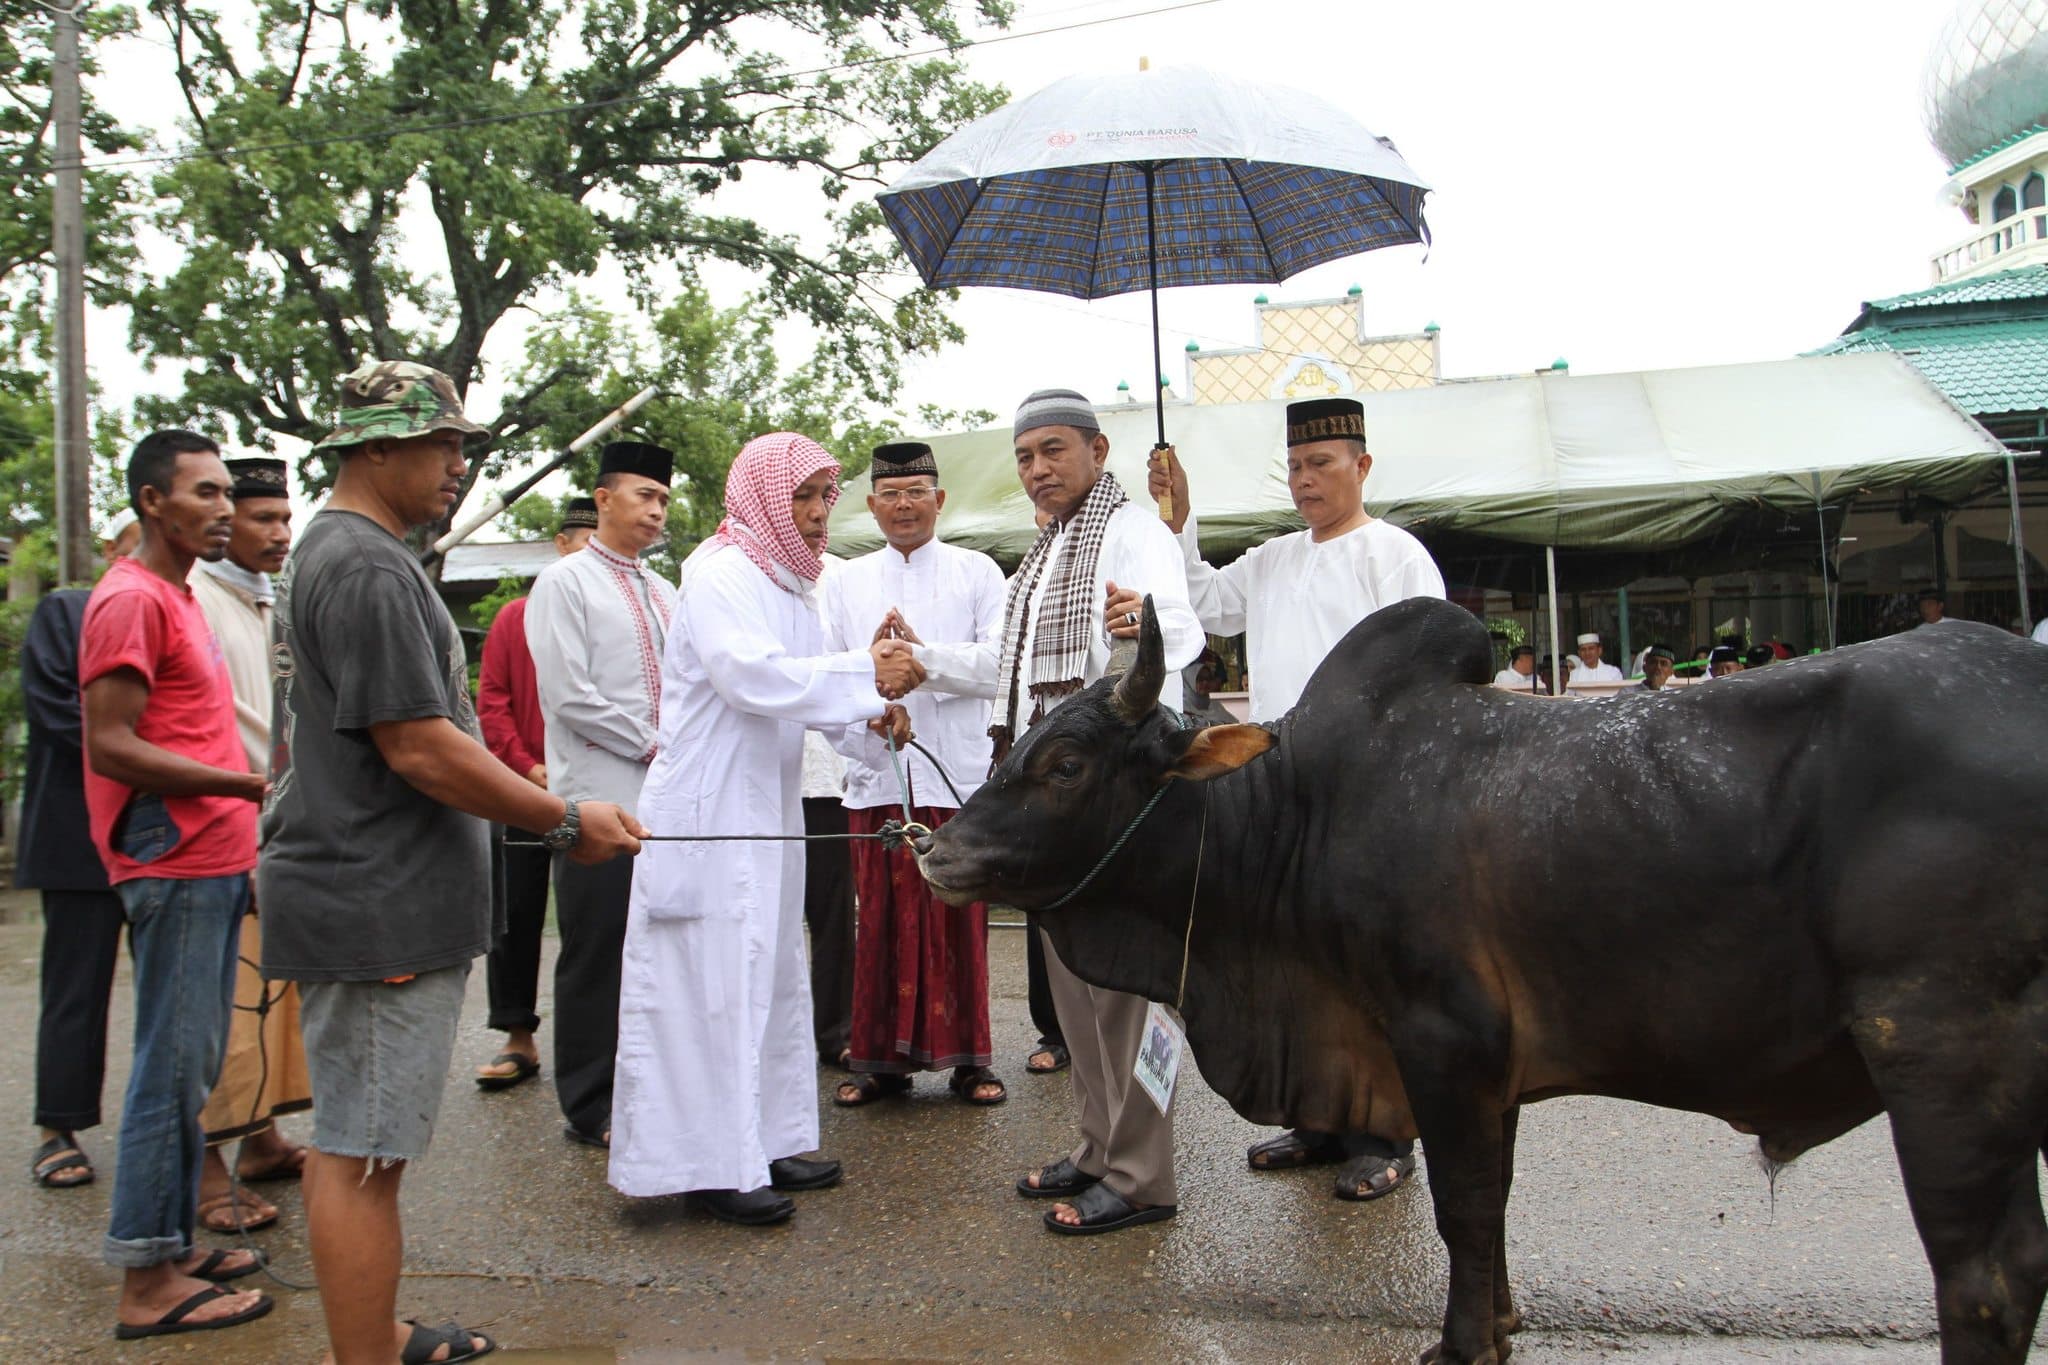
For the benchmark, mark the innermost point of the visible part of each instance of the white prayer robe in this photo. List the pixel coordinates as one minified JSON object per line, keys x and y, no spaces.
{"x":1295,"y":599}
{"x":1593,"y":673}
{"x":1515,"y":682}
{"x":717,"y":1072}
{"x":241,"y":623}
{"x":595,"y":624}
{"x":948,"y":595}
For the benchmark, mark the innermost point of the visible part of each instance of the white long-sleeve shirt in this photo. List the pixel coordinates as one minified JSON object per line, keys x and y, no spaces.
{"x":947,"y":595}
{"x":1294,"y":599}
{"x":595,"y":625}
{"x":1138,"y":552}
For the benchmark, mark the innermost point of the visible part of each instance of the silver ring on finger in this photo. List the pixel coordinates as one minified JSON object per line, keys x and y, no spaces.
{"x":1130,"y":618}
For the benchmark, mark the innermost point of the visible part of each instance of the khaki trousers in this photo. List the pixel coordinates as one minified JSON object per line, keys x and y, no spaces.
{"x":1124,"y":1137}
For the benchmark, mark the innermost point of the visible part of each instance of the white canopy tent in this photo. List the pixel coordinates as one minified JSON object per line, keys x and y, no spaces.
{"x":1643,"y":461}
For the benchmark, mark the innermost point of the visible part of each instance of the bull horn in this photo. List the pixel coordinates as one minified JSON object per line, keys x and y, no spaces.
{"x":1137,"y":691}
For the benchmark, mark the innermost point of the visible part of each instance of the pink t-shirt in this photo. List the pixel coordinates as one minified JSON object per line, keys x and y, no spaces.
{"x":137,"y":620}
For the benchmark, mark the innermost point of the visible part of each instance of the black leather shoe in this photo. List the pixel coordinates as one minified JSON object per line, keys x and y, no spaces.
{"x":799,"y":1173}
{"x":755,"y":1208}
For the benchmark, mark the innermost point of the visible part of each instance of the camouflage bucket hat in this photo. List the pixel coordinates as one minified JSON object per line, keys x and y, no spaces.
{"x":389,"y":400}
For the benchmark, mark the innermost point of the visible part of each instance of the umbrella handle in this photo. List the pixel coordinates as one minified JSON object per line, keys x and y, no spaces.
{"x":1165,"y":451}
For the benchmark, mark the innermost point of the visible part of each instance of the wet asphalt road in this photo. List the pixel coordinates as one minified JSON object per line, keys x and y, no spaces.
{"x":1634,"y":1233}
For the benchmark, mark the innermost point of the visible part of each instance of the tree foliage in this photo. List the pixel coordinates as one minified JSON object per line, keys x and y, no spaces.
{"x":394,"y":178}
{"x":721,"y":384}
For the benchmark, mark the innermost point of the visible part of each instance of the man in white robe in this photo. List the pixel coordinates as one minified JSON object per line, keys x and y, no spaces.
{"x":263,"y":1074}
{"x":717,"y":1092}
{"x":1589,"y":669}
{"x":596,"y":622}
{"x":1520,"y":674}
{"x":1059,"y":623}
{"x":920,"y":966}
{"x":1295,"y":597}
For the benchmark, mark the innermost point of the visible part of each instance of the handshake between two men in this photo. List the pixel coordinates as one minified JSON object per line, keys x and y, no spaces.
{"x":898,"y":673}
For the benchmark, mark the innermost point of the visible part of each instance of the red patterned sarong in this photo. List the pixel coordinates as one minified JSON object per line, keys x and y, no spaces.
{"x":920,"y":966}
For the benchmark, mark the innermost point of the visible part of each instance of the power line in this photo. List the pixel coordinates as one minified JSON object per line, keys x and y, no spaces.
{"x":588,"y":106}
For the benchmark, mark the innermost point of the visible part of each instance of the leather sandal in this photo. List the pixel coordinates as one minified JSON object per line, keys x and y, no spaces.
{"x":1102,"y":1209}
{"x":1057,"y":1181}
{"x":1293,"y":1149}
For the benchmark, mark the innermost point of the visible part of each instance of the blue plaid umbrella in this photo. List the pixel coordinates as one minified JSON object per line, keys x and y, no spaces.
{"x":1101,"y":185}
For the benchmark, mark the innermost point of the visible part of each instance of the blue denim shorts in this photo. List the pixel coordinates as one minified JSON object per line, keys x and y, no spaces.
{"x":378,"y":1054}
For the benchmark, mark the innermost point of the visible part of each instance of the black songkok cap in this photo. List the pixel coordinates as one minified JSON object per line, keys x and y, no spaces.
{"x":901,"y":459}
{"x":1724,"y":654}
{"x":1659,"y":652}
{"x":580,"y":513}
{"x":1522,"y":652}
{"x":1325,"y":419}
{"x":258,"y":478}
{"x":637,"y":457}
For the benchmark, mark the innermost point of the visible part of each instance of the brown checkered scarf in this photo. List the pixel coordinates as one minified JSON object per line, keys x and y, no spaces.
{"x":1071,"y":617}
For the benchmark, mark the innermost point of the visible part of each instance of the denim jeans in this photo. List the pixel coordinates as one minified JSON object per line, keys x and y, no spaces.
{"x":183,"y":935}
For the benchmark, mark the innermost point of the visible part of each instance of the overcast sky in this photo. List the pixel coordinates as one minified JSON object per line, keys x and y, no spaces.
{"x":1627,"y":185}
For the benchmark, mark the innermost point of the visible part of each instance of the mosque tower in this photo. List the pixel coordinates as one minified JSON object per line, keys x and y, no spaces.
{"x":1986,"y":95}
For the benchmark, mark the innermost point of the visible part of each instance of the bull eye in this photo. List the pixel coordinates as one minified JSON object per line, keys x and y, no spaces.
{"x":1067,"y":770}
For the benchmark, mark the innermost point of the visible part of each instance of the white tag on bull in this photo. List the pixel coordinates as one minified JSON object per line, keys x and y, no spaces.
{"x":1158,"y":1063}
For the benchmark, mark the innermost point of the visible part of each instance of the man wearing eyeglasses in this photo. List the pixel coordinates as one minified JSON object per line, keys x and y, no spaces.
{"x":920,"y":966}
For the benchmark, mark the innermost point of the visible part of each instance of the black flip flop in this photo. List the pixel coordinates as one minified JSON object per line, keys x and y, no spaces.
{"x":1056,"y":1181}
{"x":1061,"y":1059}
{"x":1348,"y":1182}
{"x":179,"y":1318}
{"x":49,"y":1159}
{"x":869,"y":1087}
{"x":210,"y":1268}
{"x":575,"y":1134}
{"x":526,"y":1069}
{"x":1102,"y":1209}
{"x":420,"y":1346}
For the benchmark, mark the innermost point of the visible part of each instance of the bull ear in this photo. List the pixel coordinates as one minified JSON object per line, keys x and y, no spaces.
{"x":1137,"y":691}
{"x":1220,"y":749}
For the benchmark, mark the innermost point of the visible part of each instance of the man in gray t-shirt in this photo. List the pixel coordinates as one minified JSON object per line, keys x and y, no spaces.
{"x":375,"y":871}
{"x":348,"y":843}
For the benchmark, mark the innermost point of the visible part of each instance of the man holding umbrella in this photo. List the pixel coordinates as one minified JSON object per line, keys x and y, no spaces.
{"x":1295,"y":597}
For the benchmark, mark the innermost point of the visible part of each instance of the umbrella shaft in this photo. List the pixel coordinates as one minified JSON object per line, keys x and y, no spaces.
{"x":1151,"y":171}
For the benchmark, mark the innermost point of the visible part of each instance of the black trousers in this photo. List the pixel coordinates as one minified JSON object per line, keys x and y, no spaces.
{"x":512,"y":971}
{"x":590,"y":911}
{"x":81,"y":939}
{"x":1038,"y":991}
{"x":828,"y":910}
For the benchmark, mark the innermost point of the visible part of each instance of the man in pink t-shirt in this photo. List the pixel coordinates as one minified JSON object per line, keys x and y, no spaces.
{"x":172,"y":805}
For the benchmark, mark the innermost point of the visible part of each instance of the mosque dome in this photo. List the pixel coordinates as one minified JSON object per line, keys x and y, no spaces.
{"x":1987,"y":77}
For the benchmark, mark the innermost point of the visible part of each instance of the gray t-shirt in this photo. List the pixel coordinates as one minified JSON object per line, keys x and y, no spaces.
{"x":362,"y":876}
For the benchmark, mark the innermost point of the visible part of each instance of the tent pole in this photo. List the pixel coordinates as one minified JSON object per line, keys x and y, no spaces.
{"x":1827,"y":593}
{"x":1627,"y":645}
{"x":1556,"y":647}
{"x":2019,"y":544}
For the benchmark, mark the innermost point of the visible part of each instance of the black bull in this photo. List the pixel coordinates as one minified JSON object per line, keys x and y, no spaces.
{"x":1820,"y":892}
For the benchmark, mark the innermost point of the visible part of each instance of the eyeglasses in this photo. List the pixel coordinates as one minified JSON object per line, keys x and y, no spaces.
{"x":890,"y":497}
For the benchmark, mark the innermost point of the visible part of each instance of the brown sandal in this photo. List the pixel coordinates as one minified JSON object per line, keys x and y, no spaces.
{"x":229,"y":1213}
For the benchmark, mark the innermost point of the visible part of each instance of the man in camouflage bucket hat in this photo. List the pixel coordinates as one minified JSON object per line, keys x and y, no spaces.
{"x":394,"y":399}
{"x":375,"y":870}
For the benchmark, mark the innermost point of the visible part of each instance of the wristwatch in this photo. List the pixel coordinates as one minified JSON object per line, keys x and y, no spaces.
{"x":563,"y":837}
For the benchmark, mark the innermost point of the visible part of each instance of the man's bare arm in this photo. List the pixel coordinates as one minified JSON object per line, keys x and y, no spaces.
{"x":443,"y":763}
{"x":113,"y":707}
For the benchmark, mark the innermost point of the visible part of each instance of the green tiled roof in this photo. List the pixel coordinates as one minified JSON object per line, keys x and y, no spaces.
{"x":2028,"y":282}
{"x":1984,"y":367}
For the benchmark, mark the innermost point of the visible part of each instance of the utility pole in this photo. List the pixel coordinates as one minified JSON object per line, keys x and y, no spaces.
{"x":67,"y":228}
